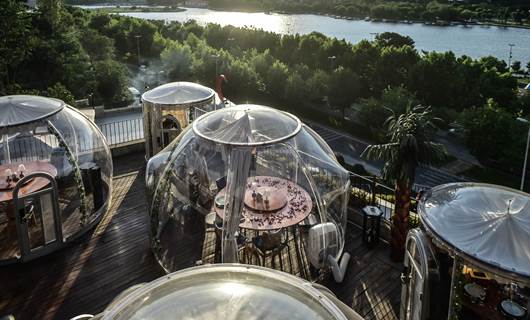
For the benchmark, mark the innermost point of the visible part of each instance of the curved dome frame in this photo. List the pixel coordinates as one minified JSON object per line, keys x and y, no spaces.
{"x":174,"y":93}
{"x":244,"y":109}
{"x":19,"y":110}
{"x":66,"y":119}
{"x":442,"y":240}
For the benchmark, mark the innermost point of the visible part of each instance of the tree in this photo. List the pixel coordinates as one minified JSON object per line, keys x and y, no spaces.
{"x":492,"y":135}
{"x":177,"y":61}
{"x":392,"y":68}
{"x":318,"y":85}
{"x":501,"y":87}
{"x":51,"y":11}
{"x":59,"y":91}
{"x":97,"y":46}
{"x":375,"y":112}
{"x":147,"y":33}
{"x":288,"y":50}
{"x":516,"y":66}
{"x":261,"y":62}
{"x":467,"y":91}
{"x":100,"y":22}
{"x":517,"y":16}
{"x":392,"y":39}
{"x":409,"y":146}
{"x":343,"y":88}
{"x":433,"y":79}
{"x":276,"y":79}
{"x":15,"y":40}
{"x":243,"y":81}
{"x":296,"y":89}
{"x":491,"y":62}
{"x":111,"y":77}
{"x":365,"y":56}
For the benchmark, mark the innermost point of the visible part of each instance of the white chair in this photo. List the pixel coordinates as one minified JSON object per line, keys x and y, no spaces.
{"x":322,"y":247}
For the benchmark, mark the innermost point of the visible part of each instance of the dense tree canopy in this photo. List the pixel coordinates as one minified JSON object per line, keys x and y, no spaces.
{"x":493,"y":134}
{"x":96,"y":53}
{"x":514,"y":11}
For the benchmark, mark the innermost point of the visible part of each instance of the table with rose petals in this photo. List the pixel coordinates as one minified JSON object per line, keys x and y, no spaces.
{"x":270,"y":203}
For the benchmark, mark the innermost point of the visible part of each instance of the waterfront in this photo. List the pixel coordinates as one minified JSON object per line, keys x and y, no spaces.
{"x":472,"y":40}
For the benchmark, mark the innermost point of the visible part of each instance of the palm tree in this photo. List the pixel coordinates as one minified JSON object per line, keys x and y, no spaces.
{"x":410,"y":145}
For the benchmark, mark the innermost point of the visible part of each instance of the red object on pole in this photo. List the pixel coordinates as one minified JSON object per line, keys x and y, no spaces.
{"x":219,"y":86}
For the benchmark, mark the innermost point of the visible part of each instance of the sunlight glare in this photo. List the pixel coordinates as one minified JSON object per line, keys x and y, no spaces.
{"x":234,"y":288}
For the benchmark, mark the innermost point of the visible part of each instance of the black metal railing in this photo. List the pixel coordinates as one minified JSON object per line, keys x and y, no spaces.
{"x":29,"y":148}
{"x":365,"y":190}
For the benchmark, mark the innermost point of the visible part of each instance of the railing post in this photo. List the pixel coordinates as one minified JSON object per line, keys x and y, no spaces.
{"x":374,"y":186}
{"x":123,"y":131}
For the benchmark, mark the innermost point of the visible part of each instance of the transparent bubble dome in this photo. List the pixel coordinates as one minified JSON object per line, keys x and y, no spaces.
{"x":39,"y":134}
{"x":232,"y":292}
{"x":177,"y":93}
{"x":247,"y":125}
{"x":247,"y":176}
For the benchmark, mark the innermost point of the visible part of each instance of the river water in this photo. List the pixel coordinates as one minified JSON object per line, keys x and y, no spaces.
{"x":475,"y":41}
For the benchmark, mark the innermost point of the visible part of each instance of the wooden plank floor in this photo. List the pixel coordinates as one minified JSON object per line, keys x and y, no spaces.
{"x":86,"y":276}
{"x":372,"y":285}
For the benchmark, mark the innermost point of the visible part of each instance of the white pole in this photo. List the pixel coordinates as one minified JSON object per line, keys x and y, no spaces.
{"x":525,"y":159}
{"x":7,"y":152}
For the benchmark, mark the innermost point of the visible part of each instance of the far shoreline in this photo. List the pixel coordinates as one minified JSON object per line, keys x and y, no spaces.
{"x":115,"y":8}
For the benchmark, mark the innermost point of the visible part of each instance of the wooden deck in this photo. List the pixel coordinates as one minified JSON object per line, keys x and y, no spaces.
{"x":86,"y":276}
{"x":372,"y":285}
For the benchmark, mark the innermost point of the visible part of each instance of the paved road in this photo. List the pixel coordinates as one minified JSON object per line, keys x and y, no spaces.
{"x":124,"y":127}
{"x":351,"y":148}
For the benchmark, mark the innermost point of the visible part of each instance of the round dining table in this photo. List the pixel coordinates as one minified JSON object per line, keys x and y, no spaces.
{"x":36,"y":184}
{"x":270,"y":203}
{"x":33,"y":185}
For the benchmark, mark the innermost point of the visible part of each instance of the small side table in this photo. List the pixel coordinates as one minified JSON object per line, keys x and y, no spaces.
{"x":371,"y":225}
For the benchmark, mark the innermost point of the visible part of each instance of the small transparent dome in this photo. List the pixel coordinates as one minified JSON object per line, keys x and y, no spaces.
{"x":55,"y":176}
{"x":169,"y":108}
{"x":248,"y":184}
{"x":178,"y":93}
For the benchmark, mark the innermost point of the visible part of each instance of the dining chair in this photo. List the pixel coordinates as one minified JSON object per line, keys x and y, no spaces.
{"x":221,"y":183}
{"x":272,"y":244}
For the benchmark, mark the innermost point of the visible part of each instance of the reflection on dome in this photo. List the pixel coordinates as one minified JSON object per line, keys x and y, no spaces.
{"x":228,"y":291}
{"x":248,"y":184}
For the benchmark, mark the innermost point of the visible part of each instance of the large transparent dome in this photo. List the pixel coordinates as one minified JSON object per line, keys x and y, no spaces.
{"x":248,"y":184}
{"x":55,"y":176}
{"x":234,"y":292}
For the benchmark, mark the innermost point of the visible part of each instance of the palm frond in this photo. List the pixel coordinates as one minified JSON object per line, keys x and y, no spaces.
{"x":409,"y":144}
{"x":380,"y":151}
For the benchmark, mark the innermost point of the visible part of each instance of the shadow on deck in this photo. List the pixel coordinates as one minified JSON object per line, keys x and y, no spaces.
{"x":86,"y":276}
